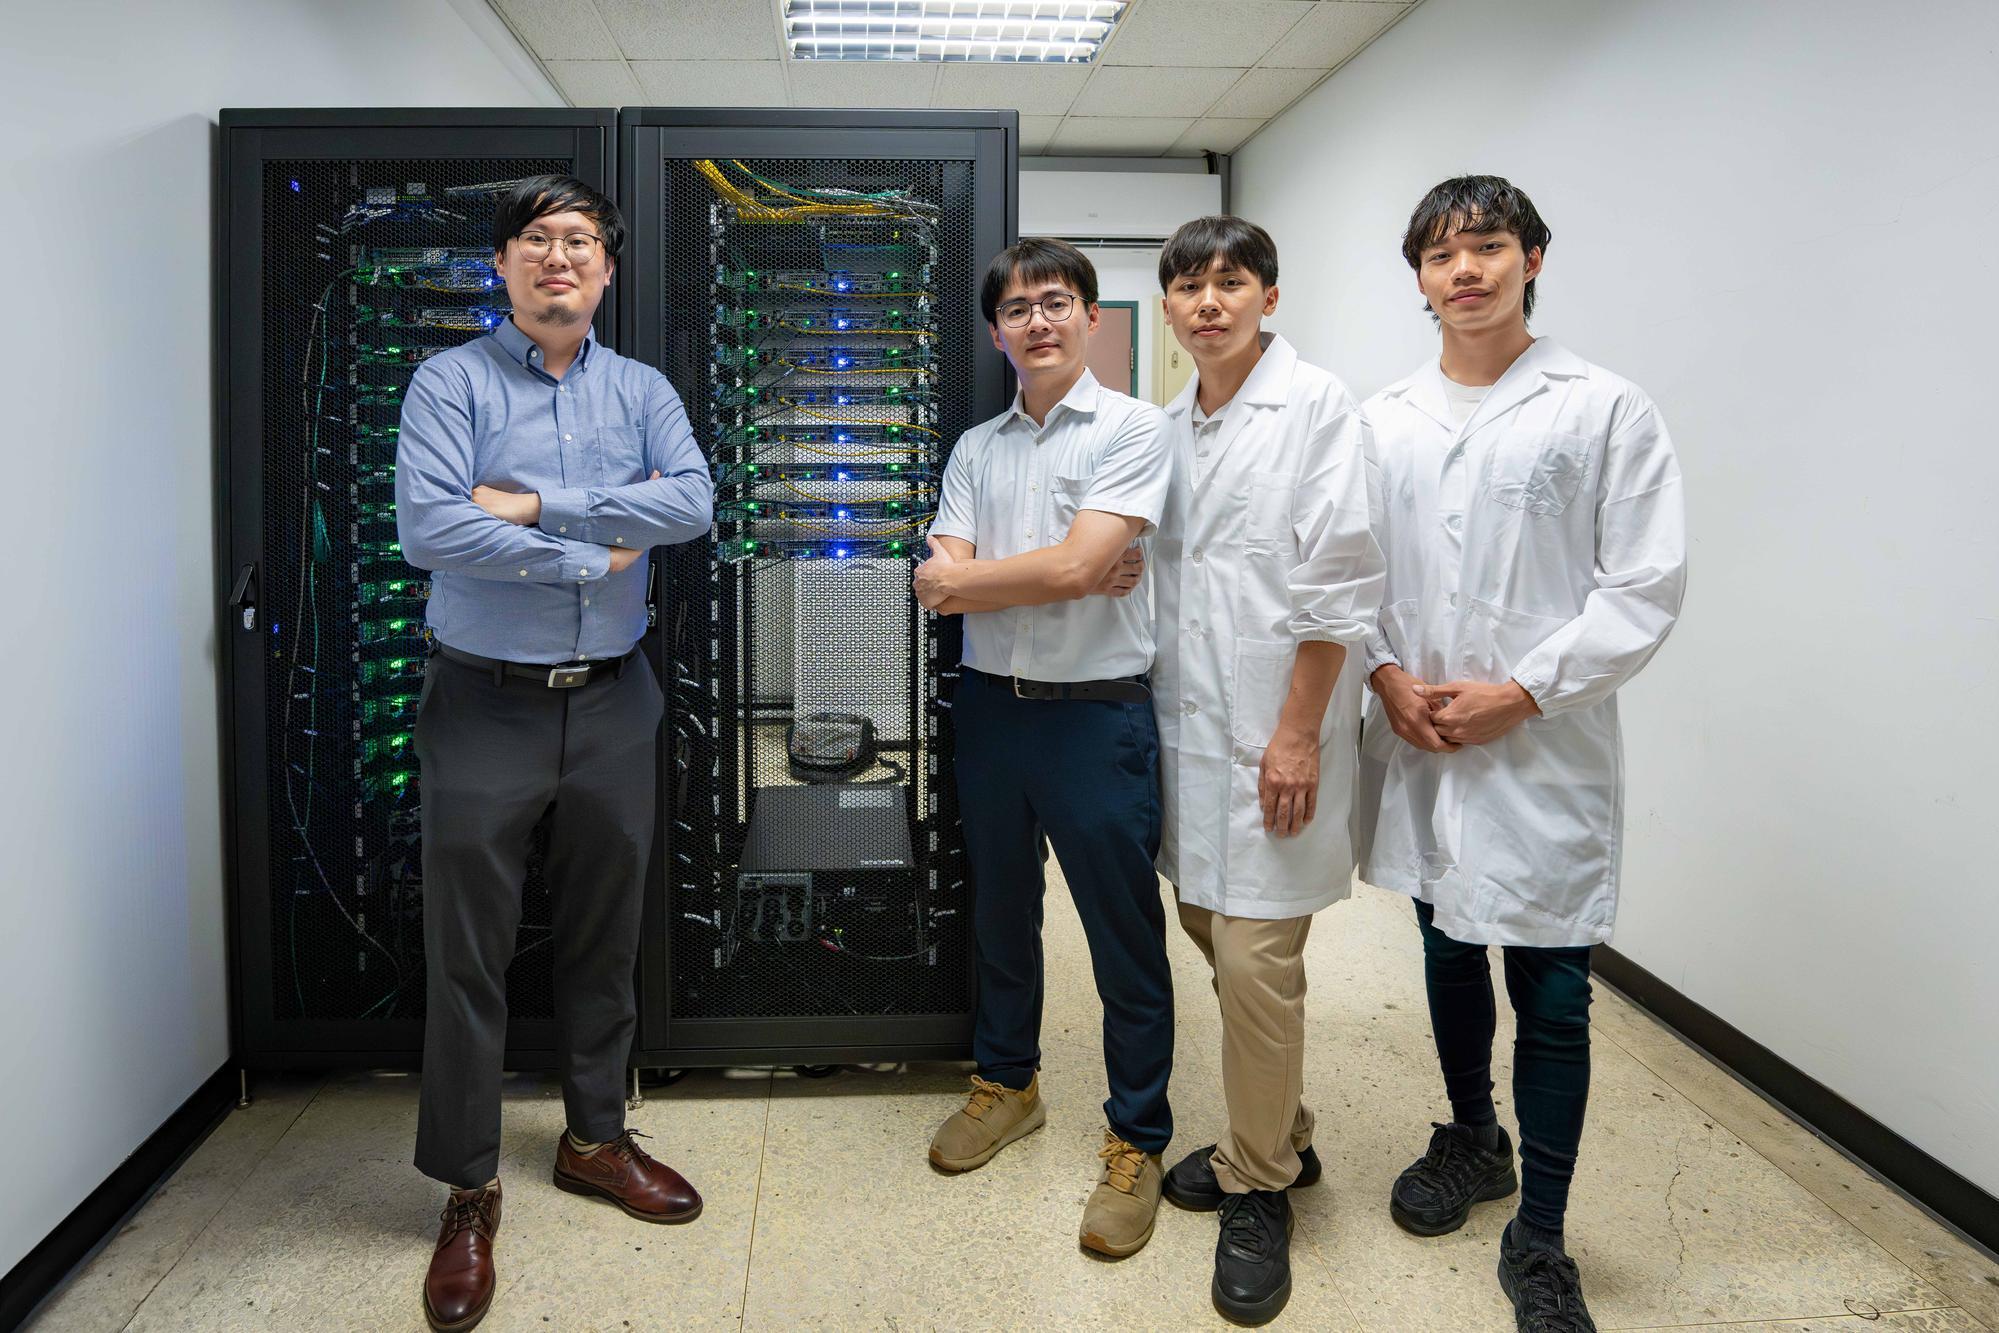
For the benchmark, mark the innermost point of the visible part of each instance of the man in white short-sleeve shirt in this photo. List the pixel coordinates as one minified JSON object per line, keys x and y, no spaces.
{"x":1054,"y":726}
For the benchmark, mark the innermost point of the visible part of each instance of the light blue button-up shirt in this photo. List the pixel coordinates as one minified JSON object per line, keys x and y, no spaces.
{"x":486,"y":413}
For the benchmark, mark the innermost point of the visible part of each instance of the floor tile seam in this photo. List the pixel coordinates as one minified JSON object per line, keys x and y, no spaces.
{"x":1306,"y":1229}
{"x":208,"y":1223}
{"x":1944,"y":1299}
{"x":1787,"y":1318}
{"x":756,"y":1202}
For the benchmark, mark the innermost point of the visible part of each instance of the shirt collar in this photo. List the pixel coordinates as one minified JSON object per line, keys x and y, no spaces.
{"x":523,"y":351}
{"x":1269,"y":381}
{"x":1083,"y":396}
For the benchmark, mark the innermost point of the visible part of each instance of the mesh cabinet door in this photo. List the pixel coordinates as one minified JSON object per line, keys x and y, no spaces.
{"x":808,"y":281}
{"x":355,"y":245}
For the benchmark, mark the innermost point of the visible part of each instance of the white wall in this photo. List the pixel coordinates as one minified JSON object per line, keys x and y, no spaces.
{"x":1775,"y":218}
{"x":112,"y":963}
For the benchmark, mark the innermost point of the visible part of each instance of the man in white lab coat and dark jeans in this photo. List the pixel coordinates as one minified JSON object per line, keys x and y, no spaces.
{"x":1536,"y":542}
{"x":1267,"y":571}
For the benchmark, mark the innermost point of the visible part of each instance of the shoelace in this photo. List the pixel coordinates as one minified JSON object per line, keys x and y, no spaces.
{"x":1123,"y":1162}
{"x":1452,"y":1158}
{"x":1551,"y":1289}
{"x":985,"y":1096}
{"x":472,"y":1211}
{"x":1245,"y":1229}
{"x":625,"y":1148}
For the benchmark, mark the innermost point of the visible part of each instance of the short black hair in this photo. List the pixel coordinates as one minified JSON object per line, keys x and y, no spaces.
{"x":538,"y":196}
{"x":1036,"y":259}
{"x":1237,"y":242}
{"x":1480,"y":205}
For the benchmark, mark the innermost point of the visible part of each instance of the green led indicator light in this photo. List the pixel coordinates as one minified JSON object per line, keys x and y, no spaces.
{"x":894,"y":547}
{"x":749,"y":546}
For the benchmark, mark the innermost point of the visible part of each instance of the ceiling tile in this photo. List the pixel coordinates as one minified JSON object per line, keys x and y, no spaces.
{"x":694,"y":29}
{"x":1201,"y":32}
{"x":1118,"y":136}
{"x":1138,"y":90}
{"x":1218,"y":134}
{"x":1036,"y":131}
{"x":891,"y":83}
{"x":595,"y":82}
{"x":1333,"y":31}
{"x":560,"y":29}
{"x":1265,"y":92}
{"x":1032,"y":90}
{"x":711,"y":82}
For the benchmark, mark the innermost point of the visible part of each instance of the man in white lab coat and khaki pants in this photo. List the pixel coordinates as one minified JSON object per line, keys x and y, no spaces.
{"x":1266,"y":572}
{"x":1536,"y":544}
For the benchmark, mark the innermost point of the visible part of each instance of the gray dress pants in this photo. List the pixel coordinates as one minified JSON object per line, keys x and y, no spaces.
{"x":496,"y":757}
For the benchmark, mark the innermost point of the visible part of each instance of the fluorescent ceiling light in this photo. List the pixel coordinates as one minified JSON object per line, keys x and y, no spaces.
{"x":1029,"y":31}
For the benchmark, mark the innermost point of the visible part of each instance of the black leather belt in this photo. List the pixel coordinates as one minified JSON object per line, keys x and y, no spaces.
{"x":563,"y":676}
{"x":1124,"y":690}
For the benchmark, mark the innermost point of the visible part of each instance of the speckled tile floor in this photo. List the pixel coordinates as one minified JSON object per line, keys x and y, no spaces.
{"x":1696,"y":1206}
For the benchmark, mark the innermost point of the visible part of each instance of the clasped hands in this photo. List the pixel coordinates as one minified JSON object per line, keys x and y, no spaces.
{"x":523,"y":509}
{"x":1445,"y":718}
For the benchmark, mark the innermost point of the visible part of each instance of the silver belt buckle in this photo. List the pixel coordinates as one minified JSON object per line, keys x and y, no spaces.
{"x":1016,"y":687}
{"x":568,"y":678}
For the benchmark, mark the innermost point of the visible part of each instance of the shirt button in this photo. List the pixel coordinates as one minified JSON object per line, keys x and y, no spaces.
{"x":1197,"y":555}
{"x":581,"y":573}
{"x":586,"y":601}
{"x":524,"y":573}
{"x":1030,"y":534}
{"x":1454,"y":522}
{"x":563,"y":528}
{"x":619,"y":540}
{"x":1189,"y":707}
{"x":569,"y":437}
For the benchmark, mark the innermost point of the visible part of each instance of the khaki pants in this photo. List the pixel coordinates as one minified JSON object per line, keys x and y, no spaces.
{"x":1259,"y":969}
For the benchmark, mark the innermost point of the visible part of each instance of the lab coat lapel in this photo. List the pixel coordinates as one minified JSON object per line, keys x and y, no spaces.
{"x":1268,"y":385}
{"x":1525,"y":379}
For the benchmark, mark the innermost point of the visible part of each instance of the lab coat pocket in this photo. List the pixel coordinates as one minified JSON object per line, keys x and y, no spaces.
{"x":1267,"y":521}
{"x":1065,"y":497}
{"x":1540,"y":472}
{"x":621,"y":455}
{"x":1261,"y":680}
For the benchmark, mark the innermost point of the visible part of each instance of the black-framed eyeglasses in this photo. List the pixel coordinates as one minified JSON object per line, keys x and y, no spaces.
{"x":1055,"y":307}
{"x":578,"y":247}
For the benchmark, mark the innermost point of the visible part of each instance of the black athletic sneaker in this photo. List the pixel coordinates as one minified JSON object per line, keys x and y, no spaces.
{"x":1546,"y":1290}
{"x":1192,"y":1184}
{"x":1436,"y":1193}
{"x":1253,"y":1256}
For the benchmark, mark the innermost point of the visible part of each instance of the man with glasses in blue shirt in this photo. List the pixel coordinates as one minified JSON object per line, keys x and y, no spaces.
{"x":534,"y":469}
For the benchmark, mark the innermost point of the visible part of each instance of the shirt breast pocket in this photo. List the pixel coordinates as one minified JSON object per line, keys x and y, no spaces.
{"x":621,"y":455}
{"x":1267,"y":520}
{"x":1065,"y":499}
{"x":1539,"y":472}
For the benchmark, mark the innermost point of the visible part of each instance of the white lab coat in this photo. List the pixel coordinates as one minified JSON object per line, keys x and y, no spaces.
{"x":1271,"y":547}
{"x":1563,"y":570}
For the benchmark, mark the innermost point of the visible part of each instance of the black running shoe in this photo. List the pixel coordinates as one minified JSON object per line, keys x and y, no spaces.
{"x":1546,"y":1290}
{"x":1192,"y":1184}
{"x":1253,"y":1256}
{"x":1436,"y":1193}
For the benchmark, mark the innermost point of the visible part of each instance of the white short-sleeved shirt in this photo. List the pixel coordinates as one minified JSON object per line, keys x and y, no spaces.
{"x":1012,"y":486}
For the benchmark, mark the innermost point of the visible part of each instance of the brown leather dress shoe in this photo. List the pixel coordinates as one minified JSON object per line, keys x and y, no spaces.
{"x":459,"y":1287}
{"x":622,"y":1172}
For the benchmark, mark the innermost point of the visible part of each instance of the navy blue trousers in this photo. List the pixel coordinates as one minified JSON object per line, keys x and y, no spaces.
{"x":1086,"y":774}
{"x":1550,"y":992}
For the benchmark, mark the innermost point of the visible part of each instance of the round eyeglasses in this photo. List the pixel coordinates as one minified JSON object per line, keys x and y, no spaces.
{"x":577,"y":247}
{"x":1054,"y":308}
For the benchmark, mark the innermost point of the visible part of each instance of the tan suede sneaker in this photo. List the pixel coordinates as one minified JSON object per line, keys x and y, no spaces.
{"x":1118,"y":1218}
{"x":992,"y":1117}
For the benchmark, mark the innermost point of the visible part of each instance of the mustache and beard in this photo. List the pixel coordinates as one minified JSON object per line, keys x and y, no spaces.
{"x":555,"y":315}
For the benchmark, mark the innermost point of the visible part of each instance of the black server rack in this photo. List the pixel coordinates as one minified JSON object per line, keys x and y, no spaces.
{"x":808,"y":281}
{"x":354,"y":244}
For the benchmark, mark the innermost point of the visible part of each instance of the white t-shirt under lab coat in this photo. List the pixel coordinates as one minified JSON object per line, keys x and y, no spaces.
{"x":1542,"y":539}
